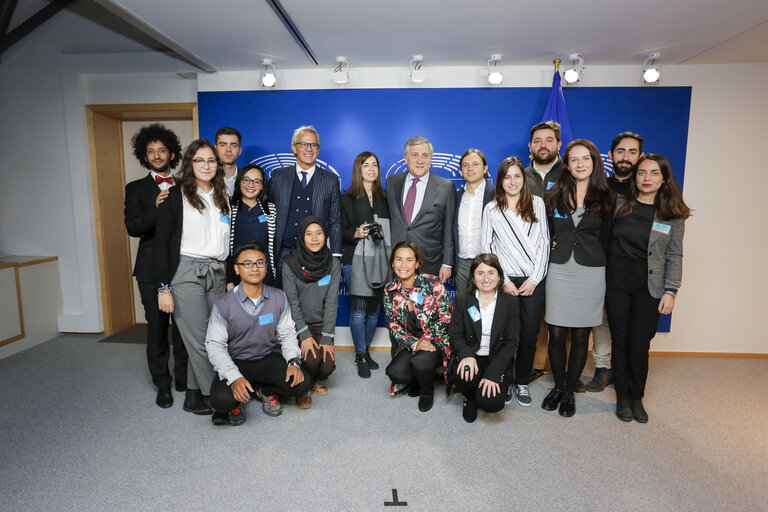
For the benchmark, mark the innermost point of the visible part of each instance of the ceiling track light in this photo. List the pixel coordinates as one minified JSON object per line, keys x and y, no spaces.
{"x":341,"y":70}
{"x":495,"y":76}
{"x":651,"y":70}
{"x":268,"y":76}
{"x":572,"y":75}
{"x":417,"y":69}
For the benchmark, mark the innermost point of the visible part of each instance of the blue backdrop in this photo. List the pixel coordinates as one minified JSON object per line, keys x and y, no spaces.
{"x":496,"y":121}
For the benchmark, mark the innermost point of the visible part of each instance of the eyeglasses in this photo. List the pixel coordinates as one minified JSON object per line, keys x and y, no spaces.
{"x":202,"y":161}
{"x":308,"y":145}
{"x":248,"y":181}
{"x":249,"y":264}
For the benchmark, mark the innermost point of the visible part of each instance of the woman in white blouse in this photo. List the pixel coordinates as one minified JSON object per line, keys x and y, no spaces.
{"x":192,"y":243}
{"x":515,"y":229}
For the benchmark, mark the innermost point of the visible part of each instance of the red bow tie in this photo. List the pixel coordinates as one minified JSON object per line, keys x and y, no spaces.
{"x":160,"y":179}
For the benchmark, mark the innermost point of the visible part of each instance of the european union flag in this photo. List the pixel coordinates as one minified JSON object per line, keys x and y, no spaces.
{"x":556,"y":111}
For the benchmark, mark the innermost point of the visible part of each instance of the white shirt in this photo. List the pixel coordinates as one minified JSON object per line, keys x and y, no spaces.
{"x":310,"y":172}
{"x":470,"y":219}
{"x":486,"y":322}
{"x":543,"y":173}
{"x":421,"y":189}
{"x":204,"y":234}
{"x":164,"y":185}
{"x":230,"y":183}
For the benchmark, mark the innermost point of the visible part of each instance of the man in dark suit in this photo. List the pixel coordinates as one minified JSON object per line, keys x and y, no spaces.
{"x":470,"y":204}
{"x":304,"y":189}
{"x":157,"y":148}
{"x":421,"y":209}
{"x":547,"y":166}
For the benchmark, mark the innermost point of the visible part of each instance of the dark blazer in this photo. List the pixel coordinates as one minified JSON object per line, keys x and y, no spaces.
{"x":170,"y":220}
{"x":431,"y":229}
{"x":326,"y":202}
{"x":488,"y":194}
{"x":353,"y":213}
{"x":540,"y":186}
{"x":465,"y":334}
{"x":589,"y":242}
{"x":140,"y":216}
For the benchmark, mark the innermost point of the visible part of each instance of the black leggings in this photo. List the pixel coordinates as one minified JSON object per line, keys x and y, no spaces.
{"x":418,"y":368}
{"x":575,"y":360}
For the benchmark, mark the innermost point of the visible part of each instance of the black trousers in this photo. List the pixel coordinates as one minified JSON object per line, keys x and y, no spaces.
{"x":158,"y":350}
{"x":314,"y":365}
{"x":268,"y":372}
{"x":633,"y":315}
{"x":418,"y":368}
{"x":470,"y":388}
{"x":530,"y":322}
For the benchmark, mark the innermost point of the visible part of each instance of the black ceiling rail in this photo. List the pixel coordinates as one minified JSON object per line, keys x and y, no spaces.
{"x":292,"y":28}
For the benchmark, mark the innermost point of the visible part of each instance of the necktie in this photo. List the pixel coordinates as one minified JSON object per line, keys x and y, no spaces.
{"x":160,"y":179}
{"x":410,"y":200}
{"x":303,"y":179}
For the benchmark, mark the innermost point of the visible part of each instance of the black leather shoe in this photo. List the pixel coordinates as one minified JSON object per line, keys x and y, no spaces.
{"x":535,"y":374}
{"x":603,"y":377}
{"x":469,"y":411}
{"x":580,"y":387}
{"x":363,"y":369}
{"x":193,"y":402}
{"x":164,"y":397}
{"x":567,"y":405}
{"x":552,"y":400}
{"x":638,"y":411}
{"x":220,"y":418}
{"x":425,"y":402}
{"x":373,"y":365}
{"x":624,"y":410}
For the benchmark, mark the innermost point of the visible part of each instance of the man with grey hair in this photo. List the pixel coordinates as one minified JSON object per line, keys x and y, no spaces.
{"x":304,"y":189}
{"x":421,"y":209}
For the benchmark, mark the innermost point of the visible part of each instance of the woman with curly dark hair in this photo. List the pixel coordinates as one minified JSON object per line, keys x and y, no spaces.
{"x":192,"y":246}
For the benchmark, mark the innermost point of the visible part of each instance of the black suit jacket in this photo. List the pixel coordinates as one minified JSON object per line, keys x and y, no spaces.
{"x":355,"y":211}
{"x":465,"y":334}
{"x":170,"y":220}
{"x":589,"y":242}
{"x":140,"y":217}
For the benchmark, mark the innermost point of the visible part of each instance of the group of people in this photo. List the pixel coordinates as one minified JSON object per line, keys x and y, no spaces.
{"x":247,"y":269}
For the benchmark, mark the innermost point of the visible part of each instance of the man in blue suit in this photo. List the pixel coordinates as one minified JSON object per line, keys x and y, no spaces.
{"x":470,"y":204}
{"x":302,"y":190}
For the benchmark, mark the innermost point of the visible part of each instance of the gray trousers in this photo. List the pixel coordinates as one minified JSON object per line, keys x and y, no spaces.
{"x":461,"y":274}
{"x":195,"y":287}
{"x":601,"y":344}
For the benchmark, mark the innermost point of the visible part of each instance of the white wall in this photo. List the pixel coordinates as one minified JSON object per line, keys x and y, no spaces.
{"x":46,"y":206}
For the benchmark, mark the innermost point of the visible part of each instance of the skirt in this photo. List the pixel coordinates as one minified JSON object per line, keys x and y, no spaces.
{"x":575,"y":295}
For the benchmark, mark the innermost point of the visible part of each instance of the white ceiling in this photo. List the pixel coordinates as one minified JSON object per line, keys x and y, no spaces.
{"x":237,"y":34}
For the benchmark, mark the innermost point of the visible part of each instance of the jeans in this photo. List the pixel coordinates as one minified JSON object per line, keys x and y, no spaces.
{"x":363,"y":317}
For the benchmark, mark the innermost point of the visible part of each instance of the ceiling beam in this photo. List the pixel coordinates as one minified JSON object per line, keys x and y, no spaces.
{"x":30,"y":24}
{"x":6,"y":13}
{"x":178,"y":50}
{"x":292,"y":28}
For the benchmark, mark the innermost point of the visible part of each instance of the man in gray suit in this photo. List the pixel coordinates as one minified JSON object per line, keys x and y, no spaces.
{"x":421,"y":209}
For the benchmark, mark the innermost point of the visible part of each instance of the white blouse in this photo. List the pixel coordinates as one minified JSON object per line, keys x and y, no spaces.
{"x":204,"y":234}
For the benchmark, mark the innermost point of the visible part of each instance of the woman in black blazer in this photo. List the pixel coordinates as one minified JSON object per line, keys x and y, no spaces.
{"x":579,"y":209}
{"x":191,"y":246}
{"x":645,"y":265}
{"x":484,"y":333}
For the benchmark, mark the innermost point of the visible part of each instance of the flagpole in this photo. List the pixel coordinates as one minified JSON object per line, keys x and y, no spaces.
{"x":557,"y":62}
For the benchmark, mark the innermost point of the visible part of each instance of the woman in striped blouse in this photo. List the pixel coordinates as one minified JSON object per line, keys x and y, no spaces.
{"x":515,"y":229}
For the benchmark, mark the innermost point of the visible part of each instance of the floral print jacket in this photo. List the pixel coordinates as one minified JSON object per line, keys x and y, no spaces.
{"x":434,"y":312}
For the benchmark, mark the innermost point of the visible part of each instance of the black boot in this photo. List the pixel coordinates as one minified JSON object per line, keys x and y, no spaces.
{"x":363,"y":368}
{"x":426,"y":400}
{"x":193,"y":402}
{"x":373,"y":365}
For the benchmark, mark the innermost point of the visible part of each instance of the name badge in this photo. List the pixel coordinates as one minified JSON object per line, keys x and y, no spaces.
{"x":324,"y":281}
{"x":559,"y":215}
{"x":474,"y":313}
{"x":262,"y":218}
{"x":266,"y":319}
{"x":661,"y":228}
{"x":224,"y":218}
{"x":550,"y":185}
{"x":417,"y":298}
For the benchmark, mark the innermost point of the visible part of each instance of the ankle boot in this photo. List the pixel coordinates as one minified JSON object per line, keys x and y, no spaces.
{"x":193,"y":402}
{"x":373,"y":365}
{"x":363,"y":368}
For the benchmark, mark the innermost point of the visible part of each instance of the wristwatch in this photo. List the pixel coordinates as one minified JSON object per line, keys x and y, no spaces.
{"x":296,"y":361}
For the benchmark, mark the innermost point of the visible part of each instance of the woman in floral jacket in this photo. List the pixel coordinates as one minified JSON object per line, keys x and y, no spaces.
{"x":418,"y":311}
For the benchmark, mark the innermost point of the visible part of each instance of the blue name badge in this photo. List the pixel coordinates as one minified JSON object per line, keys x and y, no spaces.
{"x":661,"y":228}
{"x":550,"y":185}
{"x":262,"y":218}
{"x":559,"y":215}
{"x":474,"y":313}
{"x":417,"y":298}
{"x":224,"y":218}
{"x":266,"y":319}
{"x":324,"y":281}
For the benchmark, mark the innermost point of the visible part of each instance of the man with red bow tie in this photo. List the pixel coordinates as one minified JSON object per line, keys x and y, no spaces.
{"x":158,"y":149}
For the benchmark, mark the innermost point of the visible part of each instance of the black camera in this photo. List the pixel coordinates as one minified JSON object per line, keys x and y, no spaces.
{"x":374,"y":229}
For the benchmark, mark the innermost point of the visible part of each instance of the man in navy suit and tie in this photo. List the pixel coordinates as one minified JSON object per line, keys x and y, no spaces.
{"x":304,"y":189}
{"x":158,"y":149}
{"x":421,"y":209}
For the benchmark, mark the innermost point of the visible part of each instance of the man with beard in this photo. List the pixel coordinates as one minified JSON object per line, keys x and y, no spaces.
{"x":547,"y":166}
{"x":229,"y":149}
{"x":158,"y":149}
{"x":626,"y":150}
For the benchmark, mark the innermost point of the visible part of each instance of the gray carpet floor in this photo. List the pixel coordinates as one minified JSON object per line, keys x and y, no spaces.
{"x":80,"y":431}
